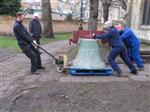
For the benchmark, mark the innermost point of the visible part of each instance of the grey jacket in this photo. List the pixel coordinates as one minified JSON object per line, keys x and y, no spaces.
{"x":35,"y":28}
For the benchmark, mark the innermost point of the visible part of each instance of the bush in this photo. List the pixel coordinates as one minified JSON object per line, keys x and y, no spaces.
{"x":10,"y":7}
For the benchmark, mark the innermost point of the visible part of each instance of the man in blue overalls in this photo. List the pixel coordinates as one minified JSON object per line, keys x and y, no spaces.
{"x":132,"y":43}
{"x":117,"y":48}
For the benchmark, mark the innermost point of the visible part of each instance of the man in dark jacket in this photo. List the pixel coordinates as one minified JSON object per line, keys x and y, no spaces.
{"x":27,"y":44}
{"x":132,"y":43}
{"x":35,"y":28}
{"x":117,"y":48}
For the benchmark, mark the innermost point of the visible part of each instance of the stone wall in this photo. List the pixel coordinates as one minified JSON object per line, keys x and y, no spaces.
{"x":143,"y":32}
{"x":6,"y":25}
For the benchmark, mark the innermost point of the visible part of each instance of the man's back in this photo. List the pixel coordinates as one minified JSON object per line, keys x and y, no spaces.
{"x":22,"y":36}
{"x":129,"y":37}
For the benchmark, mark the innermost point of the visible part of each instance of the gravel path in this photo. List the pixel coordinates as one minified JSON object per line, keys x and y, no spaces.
{"x":22,"y":92}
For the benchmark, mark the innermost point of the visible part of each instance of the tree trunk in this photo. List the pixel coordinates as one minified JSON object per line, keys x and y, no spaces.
{"x":127,"y":17}
{"x":106,"y":5}
{"x":94,"y":4}
{"x":47,"y":19}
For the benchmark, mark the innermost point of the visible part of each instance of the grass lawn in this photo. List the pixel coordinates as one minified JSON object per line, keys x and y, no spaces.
{"x":10,"y":42}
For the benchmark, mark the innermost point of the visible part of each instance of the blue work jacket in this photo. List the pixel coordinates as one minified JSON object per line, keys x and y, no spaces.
{"x":113,"y":36}
{"x":128,"y":37}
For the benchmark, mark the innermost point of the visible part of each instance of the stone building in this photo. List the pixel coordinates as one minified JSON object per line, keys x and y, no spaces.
{"x":60,"y":8}
{"x":140,"y":18}
{"x":115,"y":12}
{"x":137,"y":17}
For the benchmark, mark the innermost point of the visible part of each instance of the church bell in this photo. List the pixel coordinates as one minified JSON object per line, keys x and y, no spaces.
{"x":89,"y":55}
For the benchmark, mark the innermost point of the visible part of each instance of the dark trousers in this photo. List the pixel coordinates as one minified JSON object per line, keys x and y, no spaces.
{"x":115,"y":51}
{"x":37,"y":38}
{"x":38,"y":41}
{"x":34,"y":55}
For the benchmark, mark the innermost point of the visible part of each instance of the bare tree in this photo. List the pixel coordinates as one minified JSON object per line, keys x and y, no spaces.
{"x":106,"y":5}
{"x":94,"y":4}
{"x":47,"y":19}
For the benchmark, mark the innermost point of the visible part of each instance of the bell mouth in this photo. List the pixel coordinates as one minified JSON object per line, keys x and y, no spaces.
{"x":89,"y":39}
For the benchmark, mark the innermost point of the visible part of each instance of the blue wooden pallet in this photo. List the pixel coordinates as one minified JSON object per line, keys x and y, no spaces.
{"x":92,"y":72}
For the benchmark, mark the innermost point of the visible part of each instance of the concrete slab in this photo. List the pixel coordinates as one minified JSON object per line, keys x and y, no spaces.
{"x":140,"y":78}
{"x":91,"y":79}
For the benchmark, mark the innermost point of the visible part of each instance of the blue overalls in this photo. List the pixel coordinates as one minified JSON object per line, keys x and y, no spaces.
{"x":133,"y":44}
{"x":118,"y":48}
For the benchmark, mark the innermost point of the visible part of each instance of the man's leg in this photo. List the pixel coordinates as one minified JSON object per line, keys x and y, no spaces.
{"x":38,"y":41}
{"x":39,"y":65}
{"x":38,"y":59}
{"x":124,"y":56}
{"x":111,"y":58}
{"x":129,"y":54}
{"x":30,"y":53}
{"x":136,"y":56}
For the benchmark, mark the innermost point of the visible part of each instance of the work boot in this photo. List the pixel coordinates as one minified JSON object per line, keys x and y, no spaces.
{"x":140,"y":69}
{"x":134,"y":72}
{"x":42,"y":68}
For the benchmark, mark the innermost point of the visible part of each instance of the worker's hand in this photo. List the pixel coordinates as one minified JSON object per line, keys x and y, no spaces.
{"x":94,"y":36}
{"x":35,"y":43}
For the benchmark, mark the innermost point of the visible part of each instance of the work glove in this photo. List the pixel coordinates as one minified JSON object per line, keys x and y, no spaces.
{"x":35,"y":43}
{"x":94,"y":36}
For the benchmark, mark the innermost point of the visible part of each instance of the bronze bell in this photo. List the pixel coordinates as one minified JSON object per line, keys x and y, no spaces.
{"x":89,"y":55}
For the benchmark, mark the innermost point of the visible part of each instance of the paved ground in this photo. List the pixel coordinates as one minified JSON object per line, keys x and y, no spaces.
{"x":55,"y":92}
{"x":6,"y":53}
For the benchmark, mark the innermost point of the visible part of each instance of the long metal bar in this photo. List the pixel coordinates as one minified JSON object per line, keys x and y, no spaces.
{"x":47,"y":52}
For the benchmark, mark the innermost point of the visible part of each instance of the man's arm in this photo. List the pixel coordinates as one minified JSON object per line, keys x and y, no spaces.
{"x":31,"y":28}
{"x":126,"y":33}
{"x":24,"y":35}
{"x":104,"y":36}
{"x":40,"y":28}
